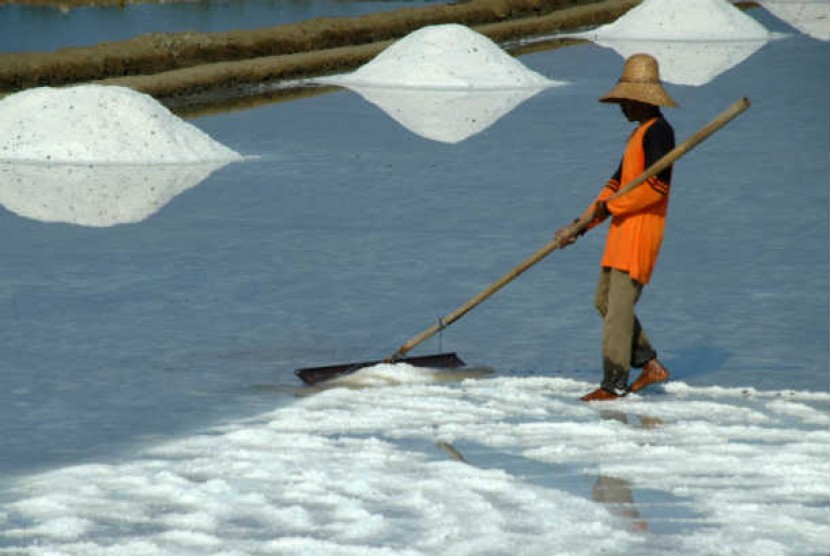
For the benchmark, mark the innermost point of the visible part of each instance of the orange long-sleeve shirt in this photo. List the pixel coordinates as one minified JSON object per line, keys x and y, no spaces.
{"x":639,"y":216}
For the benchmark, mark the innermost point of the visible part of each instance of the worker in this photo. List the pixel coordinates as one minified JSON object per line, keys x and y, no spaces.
{"x":636,"y":231}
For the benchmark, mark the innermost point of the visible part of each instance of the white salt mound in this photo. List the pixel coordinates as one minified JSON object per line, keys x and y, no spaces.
{"x":443,"y":57}
{"x":685,"y":20}
{"x":100,"y":124}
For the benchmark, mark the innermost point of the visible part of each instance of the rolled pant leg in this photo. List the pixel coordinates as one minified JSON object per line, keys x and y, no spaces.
{"x":624,"y":342}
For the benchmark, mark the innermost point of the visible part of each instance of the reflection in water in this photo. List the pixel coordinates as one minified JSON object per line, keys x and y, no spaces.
{"x":95,"y":195}
{"x":616,"y":494}
{"x":692,"y":63}
{"x":645,"y":421}
{"x":811,"y":17}
{"x":448,"y":116}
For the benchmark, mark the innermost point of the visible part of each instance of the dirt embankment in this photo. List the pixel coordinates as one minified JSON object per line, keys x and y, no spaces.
{"x":198,"y":66}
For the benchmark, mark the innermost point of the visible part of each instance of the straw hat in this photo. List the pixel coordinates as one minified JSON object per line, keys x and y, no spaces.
{"x":640,"y":81}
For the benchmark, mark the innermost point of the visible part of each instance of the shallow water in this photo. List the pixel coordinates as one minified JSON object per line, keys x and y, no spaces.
{"x":29,"y":28}
{"x":348,"y":233}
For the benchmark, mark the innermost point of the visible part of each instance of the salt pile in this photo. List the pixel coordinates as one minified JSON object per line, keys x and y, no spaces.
{"x":701,"y":20}
{"x":95,"y":123}
{"x":98,"y":156}
{"x":397,"y":374}
{"x":444,"y":57}
{"x":444,"y":82}
{"x":385,"y":374}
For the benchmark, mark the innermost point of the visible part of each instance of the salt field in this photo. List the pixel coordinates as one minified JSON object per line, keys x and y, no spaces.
{"x":158,"y":293}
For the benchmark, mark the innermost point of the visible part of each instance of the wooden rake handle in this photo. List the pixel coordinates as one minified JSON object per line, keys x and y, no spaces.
{"x":667,"y":160}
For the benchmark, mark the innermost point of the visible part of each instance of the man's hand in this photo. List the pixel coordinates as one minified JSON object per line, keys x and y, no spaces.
{"x":566,"y":236}
{"x":601,"y":211}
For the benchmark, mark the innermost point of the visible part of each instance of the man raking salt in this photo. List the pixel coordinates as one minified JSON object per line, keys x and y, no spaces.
{"x":640,"y":94}
{"x":636,"y":231}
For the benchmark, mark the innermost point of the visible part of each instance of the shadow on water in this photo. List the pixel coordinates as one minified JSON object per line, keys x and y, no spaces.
{"x":692,"y":364}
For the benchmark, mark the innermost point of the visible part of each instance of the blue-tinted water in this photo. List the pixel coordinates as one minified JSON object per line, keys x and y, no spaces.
{"x":349,"y":234}
{"x":26,"y":28}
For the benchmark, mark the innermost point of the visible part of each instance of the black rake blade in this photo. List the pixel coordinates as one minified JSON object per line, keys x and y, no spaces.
{"x":316,"y":375}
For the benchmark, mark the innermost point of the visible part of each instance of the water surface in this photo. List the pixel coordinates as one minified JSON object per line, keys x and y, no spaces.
{"x":25,"y":28}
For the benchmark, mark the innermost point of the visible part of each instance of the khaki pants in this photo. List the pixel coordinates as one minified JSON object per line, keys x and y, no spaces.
{"x":624,"y":342}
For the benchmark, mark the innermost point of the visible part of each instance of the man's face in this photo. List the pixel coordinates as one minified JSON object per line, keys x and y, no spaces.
{"x":627,"y":106}
{"x":633,"y":110}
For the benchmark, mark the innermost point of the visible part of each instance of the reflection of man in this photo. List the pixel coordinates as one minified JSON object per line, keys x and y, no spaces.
{"x":617,"y":494}
{"x":636,"y":230}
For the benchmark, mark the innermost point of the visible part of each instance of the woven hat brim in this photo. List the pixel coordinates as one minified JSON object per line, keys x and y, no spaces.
{"x":650,"y":93}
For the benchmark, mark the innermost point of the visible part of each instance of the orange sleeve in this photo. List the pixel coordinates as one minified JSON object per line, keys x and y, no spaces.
{"x":610,"y":188}
{"x":641,"y":197}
